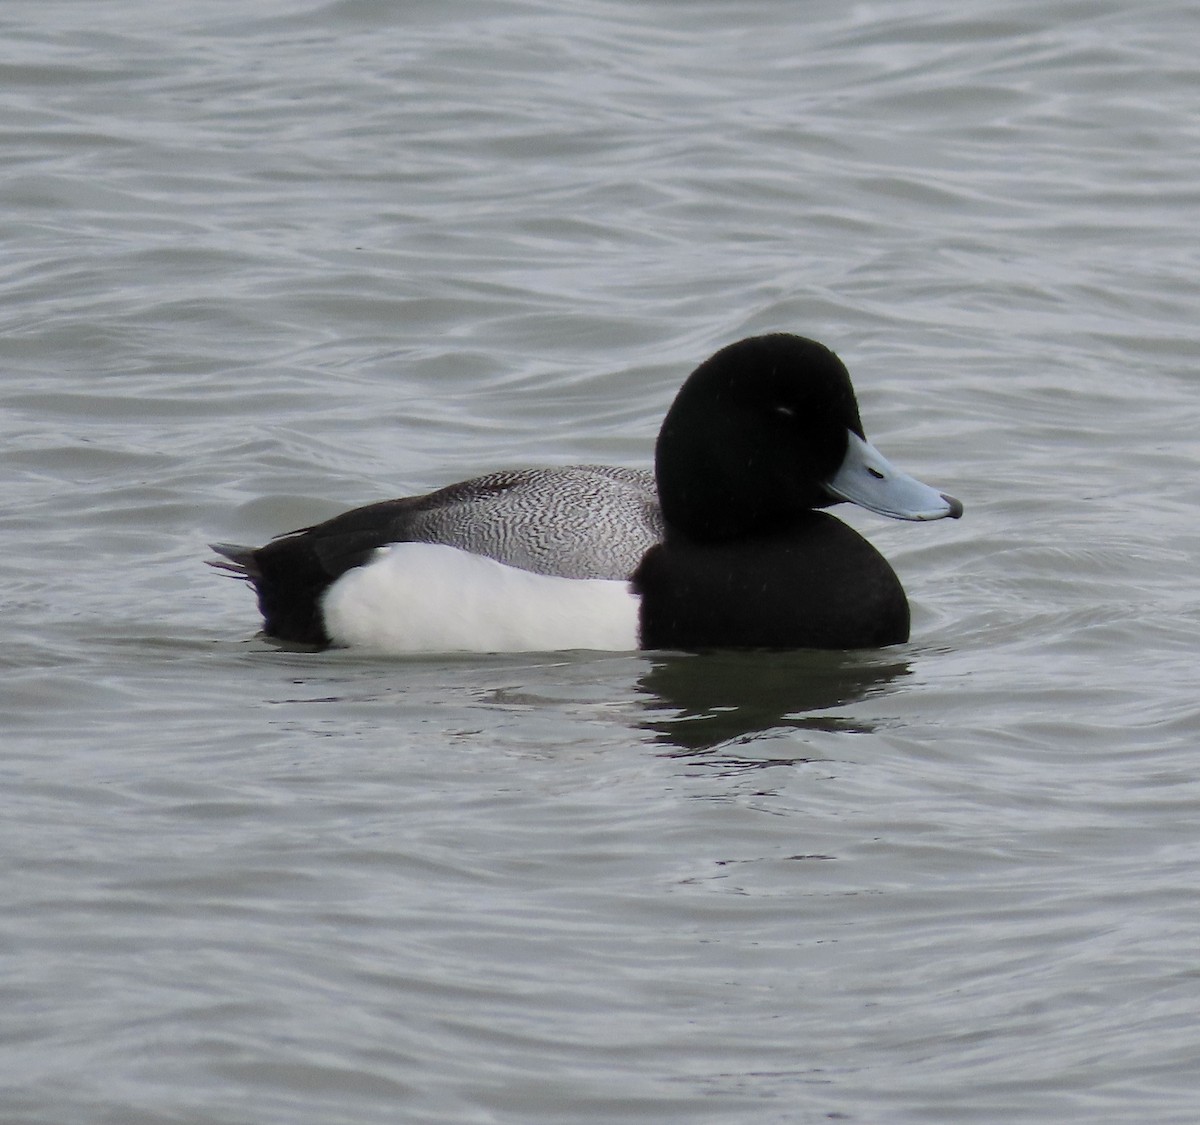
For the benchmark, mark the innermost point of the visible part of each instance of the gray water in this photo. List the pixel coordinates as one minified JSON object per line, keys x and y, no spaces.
{"x":264,"y":260}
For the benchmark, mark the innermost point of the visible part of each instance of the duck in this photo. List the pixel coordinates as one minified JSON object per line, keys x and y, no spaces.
{"x":726,"y":544}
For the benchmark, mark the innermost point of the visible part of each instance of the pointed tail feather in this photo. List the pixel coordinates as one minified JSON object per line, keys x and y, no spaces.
{"x":237,"y":562}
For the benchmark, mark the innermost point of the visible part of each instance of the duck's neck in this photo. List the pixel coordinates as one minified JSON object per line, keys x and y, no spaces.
{"x":714,"y":485}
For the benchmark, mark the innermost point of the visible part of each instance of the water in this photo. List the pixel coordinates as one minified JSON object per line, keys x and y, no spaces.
{"x":263,"y":261}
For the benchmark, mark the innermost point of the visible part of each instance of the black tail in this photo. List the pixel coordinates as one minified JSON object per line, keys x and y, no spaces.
{"x":290,"y":573}
{"x":288,"y":579}
{"x":237,"y":562}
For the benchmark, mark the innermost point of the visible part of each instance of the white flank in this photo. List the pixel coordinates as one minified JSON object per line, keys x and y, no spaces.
{"x":426,"y":597}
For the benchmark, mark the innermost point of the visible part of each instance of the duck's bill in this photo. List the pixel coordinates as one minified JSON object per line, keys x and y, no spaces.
{"x":869,"y":479}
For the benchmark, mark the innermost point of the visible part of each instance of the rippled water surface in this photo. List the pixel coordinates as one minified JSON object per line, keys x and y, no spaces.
{"x":265,"y":260}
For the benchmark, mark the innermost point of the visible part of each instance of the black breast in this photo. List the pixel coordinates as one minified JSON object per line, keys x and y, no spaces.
{"x":818,"y":584}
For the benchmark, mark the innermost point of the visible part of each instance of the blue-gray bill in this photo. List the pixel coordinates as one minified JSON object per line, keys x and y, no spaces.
{"x":869,"y":479}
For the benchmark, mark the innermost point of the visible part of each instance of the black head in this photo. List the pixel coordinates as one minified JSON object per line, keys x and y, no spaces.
{"x":752,"y":437}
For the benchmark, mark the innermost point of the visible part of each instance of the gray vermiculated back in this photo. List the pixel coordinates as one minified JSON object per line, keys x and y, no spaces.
{"x":579,"y":521}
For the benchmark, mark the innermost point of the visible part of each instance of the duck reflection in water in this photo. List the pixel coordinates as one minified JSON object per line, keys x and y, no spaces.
{"x":702,"y":702}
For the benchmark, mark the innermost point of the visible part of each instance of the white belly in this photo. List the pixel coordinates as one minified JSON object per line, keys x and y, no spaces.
{"x":425,"y":597}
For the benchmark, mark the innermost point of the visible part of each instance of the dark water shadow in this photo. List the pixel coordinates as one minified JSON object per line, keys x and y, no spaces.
{"x":699,"y":702}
